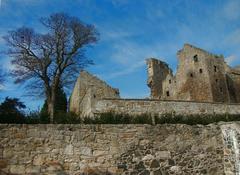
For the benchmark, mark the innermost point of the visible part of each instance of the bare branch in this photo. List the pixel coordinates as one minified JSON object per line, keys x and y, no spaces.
{"x":50,"y":59}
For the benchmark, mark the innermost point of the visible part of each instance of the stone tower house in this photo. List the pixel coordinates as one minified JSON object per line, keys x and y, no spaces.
{"x":201,"y":76}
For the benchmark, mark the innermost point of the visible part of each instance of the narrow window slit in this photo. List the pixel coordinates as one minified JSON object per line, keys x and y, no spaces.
{"x":215,"y":68}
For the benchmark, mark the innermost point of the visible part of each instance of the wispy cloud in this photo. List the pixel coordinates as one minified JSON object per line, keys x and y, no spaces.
{"x":133,"y":30}
{"x":126,"y":71}
{"x":230,"y":59}
{"x":2,"y":87}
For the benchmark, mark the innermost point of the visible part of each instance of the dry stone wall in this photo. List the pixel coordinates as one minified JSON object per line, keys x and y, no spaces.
{"x":120,"y":149}
{"x":158,"y":107}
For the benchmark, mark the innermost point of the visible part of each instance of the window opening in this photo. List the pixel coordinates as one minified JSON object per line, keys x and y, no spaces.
{"x":168,"y":93}
{"x":221,"y":89}
{"x":215,"y":68}
{"x":195,"y":58}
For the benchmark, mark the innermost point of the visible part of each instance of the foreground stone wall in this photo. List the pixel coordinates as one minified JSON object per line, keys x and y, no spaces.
{"x":120,"y":149}
{"x":158,"y":107}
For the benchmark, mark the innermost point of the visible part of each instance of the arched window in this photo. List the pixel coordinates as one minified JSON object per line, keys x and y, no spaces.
{"x":195,"y":58}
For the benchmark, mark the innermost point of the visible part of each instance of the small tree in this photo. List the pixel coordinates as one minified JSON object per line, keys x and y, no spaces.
{"x":50,"y":59}
{"x":11,"y":111}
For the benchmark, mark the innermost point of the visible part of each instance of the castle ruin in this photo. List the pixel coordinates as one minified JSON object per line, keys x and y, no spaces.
{"x":200,"y":77}
{"x":87,"y":91}
{"x":203,"y":84}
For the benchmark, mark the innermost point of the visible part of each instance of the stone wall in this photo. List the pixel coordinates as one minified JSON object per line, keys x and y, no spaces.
{"x":158,"y":71}
{"x":87,"y":90}
{"x":120,"y":149}
{"x":158,"y":107}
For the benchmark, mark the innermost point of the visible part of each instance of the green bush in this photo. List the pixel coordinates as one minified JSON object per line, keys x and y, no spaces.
{"x":32,"y":118}
{"x":11,"y":111}
{"x":66,"y":118}
{"x":196,"y":119}
{"x":107,"y":118}
{"x":62,"y":117}
{"x":113,"y":118}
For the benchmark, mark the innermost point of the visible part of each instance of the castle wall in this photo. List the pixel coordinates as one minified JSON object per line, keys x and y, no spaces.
{"x":158,"y":107}
{"x":119,"y":149}
{"x":193,"y":79}
{"x":201,"y":76}
{"x":233,"y":81}
{"x":217,"y":72}
{"x":87,"y":91}
{"x":158,"y":71}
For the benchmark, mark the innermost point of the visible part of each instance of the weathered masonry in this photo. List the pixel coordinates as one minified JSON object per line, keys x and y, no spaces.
{"x":120,"y":149}
{"x":203,"y":84}
{"x":87,"y":91}
{"x":201,"y":76}
{"x":158,"y":107}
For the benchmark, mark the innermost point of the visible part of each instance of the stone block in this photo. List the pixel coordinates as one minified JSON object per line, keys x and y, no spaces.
{"x":17,"y":169}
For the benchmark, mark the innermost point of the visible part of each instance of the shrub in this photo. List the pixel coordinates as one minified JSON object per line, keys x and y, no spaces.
{"x":11,"y":111}
{"x":66,"y":118}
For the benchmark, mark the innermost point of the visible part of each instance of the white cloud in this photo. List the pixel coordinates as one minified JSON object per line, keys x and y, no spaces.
{"x":130,"y":56}
{"x":230,"y":59}
{"x":2,"y":87}
{"x":126,"y":71}
{"x":127,"y":52}
{"x":115,"y":34}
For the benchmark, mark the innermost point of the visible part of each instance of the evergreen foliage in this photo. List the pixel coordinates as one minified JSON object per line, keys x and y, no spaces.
{"x":60,"y":106}
{"x":11,"y":111}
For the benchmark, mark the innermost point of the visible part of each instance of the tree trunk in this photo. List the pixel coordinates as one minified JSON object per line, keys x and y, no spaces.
{"x":51,"y":111}
{"x":51,"y":106}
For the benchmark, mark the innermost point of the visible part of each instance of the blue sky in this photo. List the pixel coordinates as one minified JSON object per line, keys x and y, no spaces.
{"x":131,"y":31}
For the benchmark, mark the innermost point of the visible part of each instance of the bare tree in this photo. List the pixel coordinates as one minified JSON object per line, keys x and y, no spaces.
{"x":46,"y":60}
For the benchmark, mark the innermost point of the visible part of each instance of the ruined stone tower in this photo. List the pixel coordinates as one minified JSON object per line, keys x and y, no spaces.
{"x":87,"y":91}
{"x":201,"y":76}
{"x":157,"y":73}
